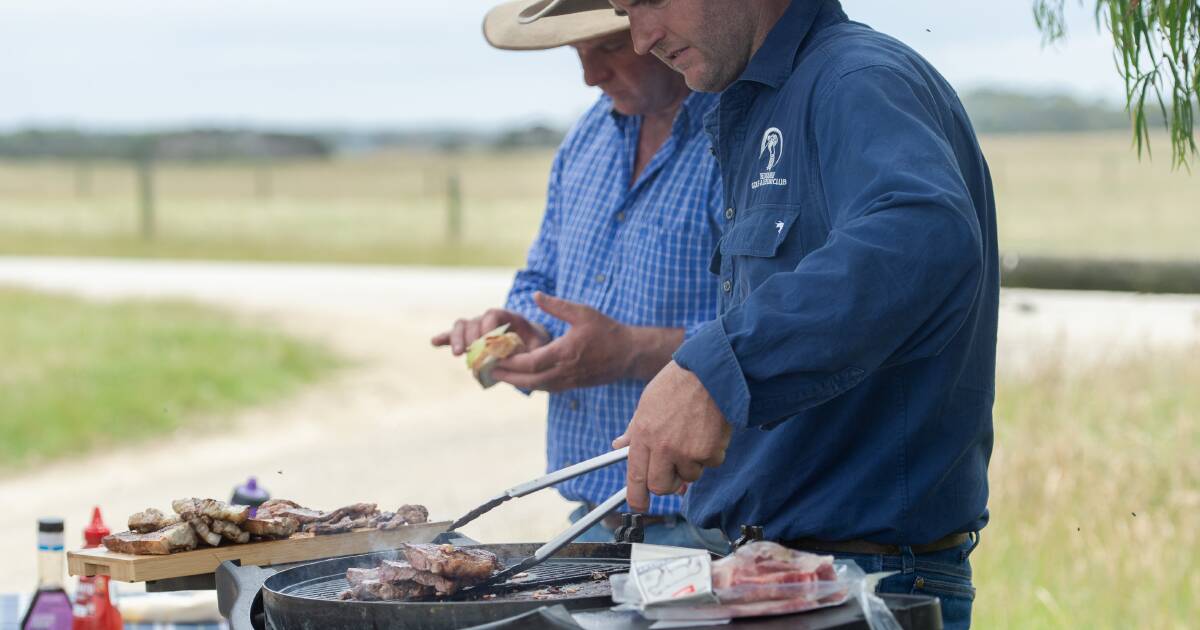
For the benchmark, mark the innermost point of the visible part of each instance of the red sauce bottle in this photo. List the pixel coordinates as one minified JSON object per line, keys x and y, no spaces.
{"x":93,"y":607}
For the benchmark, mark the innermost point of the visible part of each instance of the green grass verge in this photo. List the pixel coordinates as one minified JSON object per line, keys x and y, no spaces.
{"x":1095,"y":500}
{"x":77,"y":375}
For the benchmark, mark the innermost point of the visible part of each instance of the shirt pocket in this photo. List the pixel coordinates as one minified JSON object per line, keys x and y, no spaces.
{"x":762,"y":242}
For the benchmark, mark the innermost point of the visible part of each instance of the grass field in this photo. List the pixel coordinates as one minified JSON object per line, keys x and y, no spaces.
{"x":1095,"y":500}
{"x":1069,"y":194}
{"x":77,"y":375}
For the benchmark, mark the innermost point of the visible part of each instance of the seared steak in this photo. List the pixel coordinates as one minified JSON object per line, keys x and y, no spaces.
{"x":177,"y":537}
{"x":451,"y":561}
{"x":271,"y":527}
{"x":151,"y":520}
{"x":188,"y":509}
{"x":374,"y":590}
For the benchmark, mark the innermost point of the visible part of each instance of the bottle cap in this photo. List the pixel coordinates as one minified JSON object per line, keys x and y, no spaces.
{"x":50,"y":525}
{"x":95,"y":532}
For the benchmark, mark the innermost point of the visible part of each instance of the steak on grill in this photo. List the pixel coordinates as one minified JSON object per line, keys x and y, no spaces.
{"x":438,"y":570}
{"x":374,"y":590}
{"x":451,"y":561}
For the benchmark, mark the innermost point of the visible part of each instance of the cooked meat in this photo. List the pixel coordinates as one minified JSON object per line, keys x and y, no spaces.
{"x":177,"y":537}
{"x":353,"y":511}
{"x":357,"y":576}
{"x":230,"y":531}
{"x":302,"y":515}
{"x":396,"y":571}
{"x":271,"y":527}
{"x":274,"y":507}
{"x":374,"y":590}
{"x":202,"y":526}
{"x":188,"y":509}
{"x":151,"y":520}
{"x":451,"y":561}
{"x":404,"y":515}
{"x":413,"y":514}
{"x":347,"y":524}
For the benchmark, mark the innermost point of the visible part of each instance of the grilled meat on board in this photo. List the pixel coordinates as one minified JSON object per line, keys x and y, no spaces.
{"x":176,"y":537}
{"x":211,"y":521}
{"x":150,"y":520}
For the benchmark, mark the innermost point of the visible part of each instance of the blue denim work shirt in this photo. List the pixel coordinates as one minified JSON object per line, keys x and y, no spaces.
{"x":854,"y":353}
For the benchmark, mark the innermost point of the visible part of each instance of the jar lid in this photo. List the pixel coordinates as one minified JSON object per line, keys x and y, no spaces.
{"x":51,"y":525}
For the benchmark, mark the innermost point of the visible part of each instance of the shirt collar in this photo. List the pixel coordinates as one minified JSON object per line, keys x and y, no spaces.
{"x":773,"y":62}
{"x":689,"y":120}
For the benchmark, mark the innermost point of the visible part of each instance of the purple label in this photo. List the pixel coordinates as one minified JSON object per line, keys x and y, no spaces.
{"x":51,"y":610}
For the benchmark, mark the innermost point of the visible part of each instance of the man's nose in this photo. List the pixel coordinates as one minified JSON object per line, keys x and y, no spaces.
{"x":646,"y":31}
{"x":595,"y":73}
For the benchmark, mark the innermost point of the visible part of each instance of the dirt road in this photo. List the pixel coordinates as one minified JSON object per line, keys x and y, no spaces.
{"x":405,"y":423}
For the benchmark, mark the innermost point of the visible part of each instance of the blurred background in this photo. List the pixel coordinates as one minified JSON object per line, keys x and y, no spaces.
{"x":228,"y":229}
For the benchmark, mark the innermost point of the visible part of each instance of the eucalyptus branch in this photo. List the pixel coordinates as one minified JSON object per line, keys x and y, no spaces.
{"x":1157,"y":53}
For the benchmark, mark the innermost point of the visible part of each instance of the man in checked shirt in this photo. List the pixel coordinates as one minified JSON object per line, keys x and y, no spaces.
{"x":618,"y":274}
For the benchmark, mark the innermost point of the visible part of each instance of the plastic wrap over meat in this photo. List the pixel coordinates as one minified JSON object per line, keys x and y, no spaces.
{"x":761,"y":578}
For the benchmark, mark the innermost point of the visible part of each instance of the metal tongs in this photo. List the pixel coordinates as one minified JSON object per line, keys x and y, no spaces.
{"x":558,"y":542}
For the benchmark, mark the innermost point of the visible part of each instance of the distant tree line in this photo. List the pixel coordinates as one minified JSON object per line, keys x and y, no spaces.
{"x":991,"y":110}
{"x":189,"y":145}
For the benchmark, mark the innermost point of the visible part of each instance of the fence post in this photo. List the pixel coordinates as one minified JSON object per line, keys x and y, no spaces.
{"x":454,"y":208}
{"x":145,"y":177}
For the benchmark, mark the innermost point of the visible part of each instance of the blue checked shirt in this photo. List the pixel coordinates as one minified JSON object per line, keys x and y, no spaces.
{"x":639,"y":255}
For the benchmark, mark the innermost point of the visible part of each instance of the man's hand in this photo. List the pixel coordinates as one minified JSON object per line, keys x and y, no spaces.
{"x":676,"y":432}
{"x":465,"y":331}
{"x":596,"y":350}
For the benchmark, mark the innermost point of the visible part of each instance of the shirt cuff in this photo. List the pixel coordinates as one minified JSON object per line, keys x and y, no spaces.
{"x":691,"y":331}
{"x":709,"y":356}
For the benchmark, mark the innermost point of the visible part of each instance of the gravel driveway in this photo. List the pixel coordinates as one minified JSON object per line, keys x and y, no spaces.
{"x":406,"y":423}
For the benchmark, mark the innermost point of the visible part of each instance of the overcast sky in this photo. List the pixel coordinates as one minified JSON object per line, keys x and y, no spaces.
{"x":405,"y":63}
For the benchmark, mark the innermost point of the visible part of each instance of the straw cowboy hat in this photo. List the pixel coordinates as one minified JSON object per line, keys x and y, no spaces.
{"x":542,"y":24}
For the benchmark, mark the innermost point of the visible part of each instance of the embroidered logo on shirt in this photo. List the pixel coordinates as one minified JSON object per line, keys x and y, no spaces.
{"x":772,"y":150}
{"x":779,"y":227}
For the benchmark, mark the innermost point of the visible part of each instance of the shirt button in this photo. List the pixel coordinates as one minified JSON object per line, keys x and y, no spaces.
{"x":729,"y":214}
{"x":574,"y":405}
{"x":728,"y":286}
{"x":712,"y":151}
{"x":600,"y":278}
{"x":620,"y":217}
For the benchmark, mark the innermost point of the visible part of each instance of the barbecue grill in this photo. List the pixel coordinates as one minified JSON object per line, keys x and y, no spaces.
{"x":304,"y":596}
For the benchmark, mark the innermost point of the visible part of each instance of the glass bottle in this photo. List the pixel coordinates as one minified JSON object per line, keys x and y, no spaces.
{"x":50,"y":608}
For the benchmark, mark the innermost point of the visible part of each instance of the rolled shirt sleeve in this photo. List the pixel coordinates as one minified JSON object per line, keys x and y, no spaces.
{"x":893,"y":283}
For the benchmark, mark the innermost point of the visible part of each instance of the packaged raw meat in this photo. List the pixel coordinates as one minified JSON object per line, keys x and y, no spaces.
{"x":759,"y":579}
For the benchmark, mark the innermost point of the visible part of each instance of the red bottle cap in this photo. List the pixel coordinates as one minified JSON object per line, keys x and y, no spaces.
{"x":95,"y":532}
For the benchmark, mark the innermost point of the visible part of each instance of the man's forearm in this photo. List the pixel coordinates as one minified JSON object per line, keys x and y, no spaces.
{"x":651,"y":349}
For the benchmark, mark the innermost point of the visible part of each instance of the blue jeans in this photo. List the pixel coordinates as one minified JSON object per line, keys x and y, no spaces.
{"x":943,"y":574}
{"x":676,"y":532}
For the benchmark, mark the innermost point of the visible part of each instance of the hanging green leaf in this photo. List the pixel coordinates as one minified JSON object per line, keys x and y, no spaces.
{"x":1157,"y":53}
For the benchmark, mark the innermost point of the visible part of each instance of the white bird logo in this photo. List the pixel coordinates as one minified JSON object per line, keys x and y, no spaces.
{"x":779,"y":227}
{"x":772,"y":141}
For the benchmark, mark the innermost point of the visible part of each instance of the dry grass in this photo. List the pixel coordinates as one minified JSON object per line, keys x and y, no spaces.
{"x":1076,"y":194}
{"x":1095,"y":499}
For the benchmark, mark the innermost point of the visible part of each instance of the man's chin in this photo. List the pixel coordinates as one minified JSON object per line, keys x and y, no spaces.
{"x":700,"y":81}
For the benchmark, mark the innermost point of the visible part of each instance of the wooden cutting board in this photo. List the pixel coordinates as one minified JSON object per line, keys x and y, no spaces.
{"x":299,"y":548}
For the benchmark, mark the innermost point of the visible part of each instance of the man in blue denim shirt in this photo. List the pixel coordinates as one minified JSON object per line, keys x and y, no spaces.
{"x":843,"y":397}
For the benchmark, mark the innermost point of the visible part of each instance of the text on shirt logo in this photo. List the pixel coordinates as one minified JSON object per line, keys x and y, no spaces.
{"x":779,"y":227}
{"x":772,"y":149}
